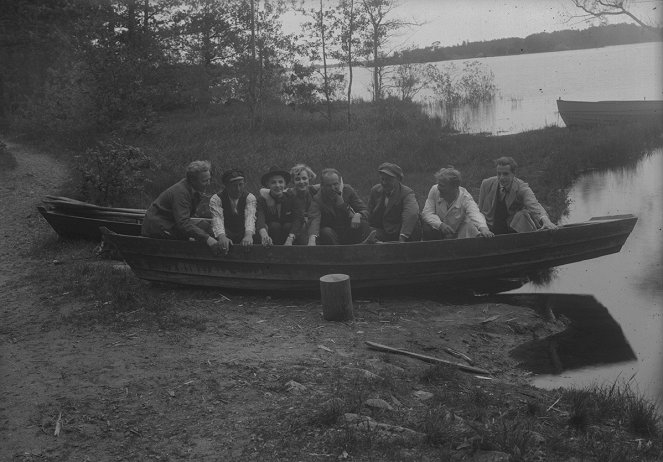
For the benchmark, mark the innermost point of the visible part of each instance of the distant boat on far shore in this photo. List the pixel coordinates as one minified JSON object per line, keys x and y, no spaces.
{"x":591,"y":113}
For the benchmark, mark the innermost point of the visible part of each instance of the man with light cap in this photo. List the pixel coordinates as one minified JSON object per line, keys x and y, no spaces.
{"x":233,"y":212}
{"x":392,"y":207}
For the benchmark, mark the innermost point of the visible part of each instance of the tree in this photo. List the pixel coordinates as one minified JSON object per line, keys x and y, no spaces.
{"x":380,"y":28}
{"x":349,"y":21}
{"x":603,"y":9}
{"x":320,"y":48}
{"x":409,"y":80}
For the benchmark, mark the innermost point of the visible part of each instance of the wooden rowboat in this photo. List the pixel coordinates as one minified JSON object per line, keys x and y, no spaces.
{"x":76,"y":219}
{"x":433,"y":263}
{"x":590,"y":113}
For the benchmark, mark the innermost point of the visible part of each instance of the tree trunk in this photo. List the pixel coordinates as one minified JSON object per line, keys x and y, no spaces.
{"x":376,"y":81}
{"x":336,"y":297}
{"x":252,"y":71}
{"x":350,"y":31}
{"x":324,"y":64}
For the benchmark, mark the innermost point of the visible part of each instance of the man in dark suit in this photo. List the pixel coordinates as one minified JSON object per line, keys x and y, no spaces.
{"x":337,"y":215}
{"x":392,"y":207}
{"x":509,"y":204}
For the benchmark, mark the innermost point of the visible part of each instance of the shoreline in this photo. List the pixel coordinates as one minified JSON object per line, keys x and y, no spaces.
{"x":173,"y":373}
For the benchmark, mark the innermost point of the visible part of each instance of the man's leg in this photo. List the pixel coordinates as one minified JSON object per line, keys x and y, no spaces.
{"x":328,"y":236}
{"x":276,"y":232}
{"x":430,"y":234}
{"x":355,"y":235}
{"x":382,"y":235}
{"x":204,"y":224}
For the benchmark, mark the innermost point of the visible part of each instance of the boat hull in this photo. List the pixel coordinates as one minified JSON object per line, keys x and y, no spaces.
{"x":432,"y":263}
{"x":82,"y":227}
{"x":591,"y":113}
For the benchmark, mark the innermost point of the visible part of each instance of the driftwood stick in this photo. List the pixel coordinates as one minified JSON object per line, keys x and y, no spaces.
{"x":458,"y":354}
{"x":428,"y":359}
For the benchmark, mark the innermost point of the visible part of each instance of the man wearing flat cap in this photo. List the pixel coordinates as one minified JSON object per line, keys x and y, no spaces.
{"x":392,"y":207}
{"x":233,"y":212}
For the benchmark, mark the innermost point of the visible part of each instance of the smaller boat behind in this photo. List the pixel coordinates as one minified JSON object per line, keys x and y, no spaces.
{"x":75,"y":219}
{"x":591,"y":113}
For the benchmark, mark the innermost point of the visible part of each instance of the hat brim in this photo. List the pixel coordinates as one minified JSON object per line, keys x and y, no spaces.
{"x":265,"y":178}
{"x":235,"y":178}
{"x":390,"y":173}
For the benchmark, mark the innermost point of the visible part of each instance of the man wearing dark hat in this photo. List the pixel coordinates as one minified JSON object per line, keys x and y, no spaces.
{"x":233,"y":212}
{"x":276,"y":210}
{"x":337,"y":214}
{"x":393,"y":208}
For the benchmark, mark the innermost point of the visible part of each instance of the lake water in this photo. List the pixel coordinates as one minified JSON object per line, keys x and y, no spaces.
{"x":615,"y":302}
{"x":628,"y":284}
{"x":529,"y":85}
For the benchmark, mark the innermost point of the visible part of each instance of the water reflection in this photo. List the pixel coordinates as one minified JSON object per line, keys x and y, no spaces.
{"x":628,"y":284}
{"x":591,"y":337}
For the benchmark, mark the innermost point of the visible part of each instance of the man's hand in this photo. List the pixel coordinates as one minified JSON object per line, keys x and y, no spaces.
{"x":267,"y":241}
{"x":356,"y":221}
{"x":485,"y":232}
{"x":312,"y":240}
{"x":446,"y":230}
{"x":264,"y":238}
{"x":213,"y":244}
{"x":224,"y":243}
{"x":547,"y":224}
{"x":247,"y":240}
{"x":289,"y":239}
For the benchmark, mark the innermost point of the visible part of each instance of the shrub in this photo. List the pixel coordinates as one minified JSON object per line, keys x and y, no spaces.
{"x":113,"y":170}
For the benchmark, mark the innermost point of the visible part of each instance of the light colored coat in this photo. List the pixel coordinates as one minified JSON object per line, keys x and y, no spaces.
{"x":462,"y":215}
{"x":523,"y":210}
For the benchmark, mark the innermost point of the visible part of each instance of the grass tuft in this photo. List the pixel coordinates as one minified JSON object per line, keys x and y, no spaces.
{"x":7,"y":159}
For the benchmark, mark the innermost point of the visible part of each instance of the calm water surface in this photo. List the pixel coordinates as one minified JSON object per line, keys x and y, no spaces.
{"x":629,"y":284}
{"x":530,"y":84}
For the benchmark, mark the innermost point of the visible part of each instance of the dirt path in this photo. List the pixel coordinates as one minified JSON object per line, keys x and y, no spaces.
{"x":25,"y":348}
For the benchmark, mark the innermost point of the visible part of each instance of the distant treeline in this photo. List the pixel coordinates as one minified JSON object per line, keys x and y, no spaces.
{"x":594,"y":37}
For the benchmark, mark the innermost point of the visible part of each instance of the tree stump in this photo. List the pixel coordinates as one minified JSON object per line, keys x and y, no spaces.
{"x":336,"y":297}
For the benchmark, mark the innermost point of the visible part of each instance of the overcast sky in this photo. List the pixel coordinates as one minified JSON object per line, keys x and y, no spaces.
{"x":452,"y":21}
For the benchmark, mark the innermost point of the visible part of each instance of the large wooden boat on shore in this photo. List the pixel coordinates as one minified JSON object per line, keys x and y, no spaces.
{"x":591,"y":113}
{"x":440,"y":264}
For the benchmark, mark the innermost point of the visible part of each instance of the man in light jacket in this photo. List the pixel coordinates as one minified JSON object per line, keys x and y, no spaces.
{"x":450,"y":211}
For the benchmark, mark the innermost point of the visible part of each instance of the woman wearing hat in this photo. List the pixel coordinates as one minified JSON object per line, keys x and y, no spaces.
{"x":233,"y":212}
{"x":276,"y":209}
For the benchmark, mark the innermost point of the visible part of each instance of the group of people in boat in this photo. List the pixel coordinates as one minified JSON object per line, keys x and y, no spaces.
{"x":332,"y":213}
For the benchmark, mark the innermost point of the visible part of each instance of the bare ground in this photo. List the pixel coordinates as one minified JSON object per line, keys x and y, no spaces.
{"x":164,"y":373}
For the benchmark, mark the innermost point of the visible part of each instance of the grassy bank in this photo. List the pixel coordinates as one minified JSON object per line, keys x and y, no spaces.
{"x":550,"y":159}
